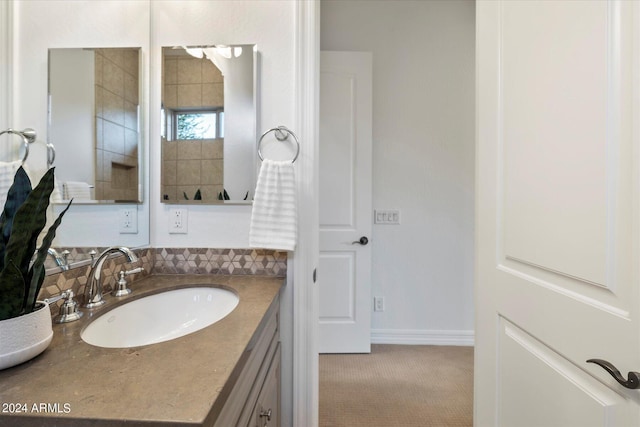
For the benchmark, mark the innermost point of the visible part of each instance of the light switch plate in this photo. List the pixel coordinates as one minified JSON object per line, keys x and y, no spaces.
{"x":386,"y":216}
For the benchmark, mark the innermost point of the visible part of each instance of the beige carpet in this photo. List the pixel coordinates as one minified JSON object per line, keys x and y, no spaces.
{"x":398,"y":385}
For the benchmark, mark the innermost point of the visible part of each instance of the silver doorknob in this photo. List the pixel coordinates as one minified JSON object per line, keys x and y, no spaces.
{"x":363,"y":241}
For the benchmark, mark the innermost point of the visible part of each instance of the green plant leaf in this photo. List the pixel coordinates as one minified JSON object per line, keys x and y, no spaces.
{"x":11,"y":292}
{"x":28,"y":222}
{"x":37,"y":272}
{"x":16,"y":196}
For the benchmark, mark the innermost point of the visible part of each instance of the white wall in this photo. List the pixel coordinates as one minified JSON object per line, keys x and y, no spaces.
{"x":127,"y":24}
{"x":423,"y":159}
{"x":206,"y":23}
{"x":39,"y":26}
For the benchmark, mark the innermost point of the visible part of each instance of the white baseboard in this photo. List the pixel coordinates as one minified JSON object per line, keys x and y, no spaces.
{"x":422,"y":337}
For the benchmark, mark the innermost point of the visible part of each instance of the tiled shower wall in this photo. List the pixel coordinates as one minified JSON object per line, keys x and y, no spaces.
{"x":116,"y":124}
{"x":191,"y":165}
{"x":171,"y":261}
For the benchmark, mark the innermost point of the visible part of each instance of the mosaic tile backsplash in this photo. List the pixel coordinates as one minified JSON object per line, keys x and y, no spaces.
{"x":171,"y":261}
{"x":220,"y":261}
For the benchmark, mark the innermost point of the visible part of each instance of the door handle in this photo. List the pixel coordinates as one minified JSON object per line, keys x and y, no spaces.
{"x":633,"y":380}
{"x":363,"y":241}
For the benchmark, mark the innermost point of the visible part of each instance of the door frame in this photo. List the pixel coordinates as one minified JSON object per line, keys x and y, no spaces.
{"x":305,"y":398}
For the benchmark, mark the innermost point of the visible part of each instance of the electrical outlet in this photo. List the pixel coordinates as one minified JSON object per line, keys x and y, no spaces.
{"x":178,"y":221}
{"x":128,"y":221}
{"x":378,"y":303}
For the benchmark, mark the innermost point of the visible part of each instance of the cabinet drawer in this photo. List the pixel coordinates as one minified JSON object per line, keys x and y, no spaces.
{"x":266,"y":412}
{"x":249,"y":381}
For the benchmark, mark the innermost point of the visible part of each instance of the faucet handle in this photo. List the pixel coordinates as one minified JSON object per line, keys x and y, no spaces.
{"x":68,"y":310}
{"x":121,"y":289}
{"x":93,"y":254}
{"x":134,"y":271}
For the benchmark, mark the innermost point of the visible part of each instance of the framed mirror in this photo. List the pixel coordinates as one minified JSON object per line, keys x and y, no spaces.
{"x":94,"y":124}
{"x":208,"y":134}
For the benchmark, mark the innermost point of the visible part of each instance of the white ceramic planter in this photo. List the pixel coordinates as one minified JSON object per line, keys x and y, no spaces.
{"x":24,"y":337}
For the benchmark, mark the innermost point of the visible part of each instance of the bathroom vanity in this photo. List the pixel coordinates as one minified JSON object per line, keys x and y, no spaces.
{"x":227,"y":374}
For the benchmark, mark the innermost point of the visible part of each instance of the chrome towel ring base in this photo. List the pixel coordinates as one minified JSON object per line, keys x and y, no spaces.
{"x":282,"y":134}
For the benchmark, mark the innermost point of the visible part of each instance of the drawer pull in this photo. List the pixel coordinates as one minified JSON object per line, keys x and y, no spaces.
{"x":266,"y":413}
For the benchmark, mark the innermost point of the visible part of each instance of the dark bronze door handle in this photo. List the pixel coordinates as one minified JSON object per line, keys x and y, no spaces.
{"x":634,"y":377}
{"x":363,"y":241}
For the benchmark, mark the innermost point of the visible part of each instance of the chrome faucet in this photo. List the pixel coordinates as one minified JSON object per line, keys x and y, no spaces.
{"x":60,"y":259}
{"x":93,"y":289}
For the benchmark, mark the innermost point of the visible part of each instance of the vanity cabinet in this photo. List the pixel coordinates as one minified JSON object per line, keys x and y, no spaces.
{"x":254,"y":399}
{"x":225,"y":375}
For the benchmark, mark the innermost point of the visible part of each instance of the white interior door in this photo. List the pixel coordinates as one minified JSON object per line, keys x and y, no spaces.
{"x":558,"y":218}
{"x":345,"y":203}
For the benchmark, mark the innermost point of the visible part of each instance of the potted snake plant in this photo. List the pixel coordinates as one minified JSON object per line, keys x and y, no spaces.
{"x":25,"y":324}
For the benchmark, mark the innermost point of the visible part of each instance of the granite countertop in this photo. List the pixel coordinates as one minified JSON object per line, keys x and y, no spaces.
{"x":175,"y":382}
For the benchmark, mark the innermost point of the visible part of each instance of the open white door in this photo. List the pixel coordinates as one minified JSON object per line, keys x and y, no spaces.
{"x":558,"y":212}
{"x":345,"y":202}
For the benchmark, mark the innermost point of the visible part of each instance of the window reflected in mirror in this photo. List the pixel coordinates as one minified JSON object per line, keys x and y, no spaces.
{"x":203,"y":124}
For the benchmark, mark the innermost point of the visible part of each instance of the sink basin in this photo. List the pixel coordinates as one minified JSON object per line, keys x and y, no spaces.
{"x":160,"y":317}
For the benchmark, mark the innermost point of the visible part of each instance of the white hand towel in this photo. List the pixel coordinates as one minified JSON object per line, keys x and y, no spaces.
{"x":274,"y":215}
{"x":76,"y":190}
{"x":7,"y":173}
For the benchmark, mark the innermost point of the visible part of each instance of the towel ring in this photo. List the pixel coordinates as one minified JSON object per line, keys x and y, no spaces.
{"x":280,"y":136}
{"x":51,"y":154}
{"x":28,"y":137}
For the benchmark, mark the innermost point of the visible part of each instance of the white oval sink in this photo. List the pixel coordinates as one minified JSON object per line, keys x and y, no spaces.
{"x":160,"y":317}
